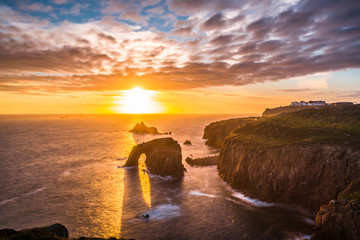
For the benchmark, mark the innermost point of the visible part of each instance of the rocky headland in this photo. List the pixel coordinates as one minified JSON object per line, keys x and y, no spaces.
{"x":216,"y":132}
{"x":163,"y":157}
{"x":142,"y":128}
{"x":304,"y":157}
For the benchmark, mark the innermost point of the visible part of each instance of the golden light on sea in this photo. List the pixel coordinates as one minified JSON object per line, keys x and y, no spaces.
{"x":138,"y":101}
{"x":144,"y":181}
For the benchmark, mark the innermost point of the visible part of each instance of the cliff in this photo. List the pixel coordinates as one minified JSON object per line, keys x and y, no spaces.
{"x":305,"y":158}
{"x":163,"y":157}
{"x":340,"y":219}
{"x":216,"y":132}
{"x":307,"y":175}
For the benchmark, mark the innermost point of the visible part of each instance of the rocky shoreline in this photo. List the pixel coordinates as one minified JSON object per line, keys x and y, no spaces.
{"x":307,"y":175}
{"x":340,"y":219}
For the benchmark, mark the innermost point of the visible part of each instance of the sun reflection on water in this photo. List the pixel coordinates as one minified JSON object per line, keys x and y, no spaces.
{"x":144,"y":181}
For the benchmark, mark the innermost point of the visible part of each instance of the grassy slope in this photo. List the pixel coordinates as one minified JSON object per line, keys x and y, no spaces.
{"x":327,"y":124}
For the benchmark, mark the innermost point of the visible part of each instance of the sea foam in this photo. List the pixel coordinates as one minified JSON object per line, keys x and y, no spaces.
{"x":164,"y":211}
{"x":198,"y":193}
{"x":251,"y":201}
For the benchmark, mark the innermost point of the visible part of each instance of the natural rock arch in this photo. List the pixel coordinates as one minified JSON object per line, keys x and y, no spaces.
{"x":163,"y":157}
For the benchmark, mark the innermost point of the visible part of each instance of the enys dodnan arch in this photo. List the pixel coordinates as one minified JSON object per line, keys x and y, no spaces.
{"x":163,"y":157}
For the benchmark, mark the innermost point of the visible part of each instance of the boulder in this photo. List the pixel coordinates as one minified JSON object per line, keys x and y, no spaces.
{"x":187,"y":142}
{"x":340,"y":219}
{"x":53,"y":232}
{"x":163,"y":157}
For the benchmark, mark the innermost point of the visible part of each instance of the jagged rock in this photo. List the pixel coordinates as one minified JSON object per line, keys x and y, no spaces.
{"x":340,"y":219}
{"x":53,"y":232}
{"x":142,"y":128}
{"x":187,"y":142}
{"x":205,"y":161}
{"x":163,"y":157}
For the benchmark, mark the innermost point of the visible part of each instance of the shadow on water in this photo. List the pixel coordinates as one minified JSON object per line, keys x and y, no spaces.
{"x":149,"y":202}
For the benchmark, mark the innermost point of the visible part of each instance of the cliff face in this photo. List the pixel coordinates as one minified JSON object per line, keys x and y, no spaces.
{"x":307,"y":175}
{"x":163,"y":157}
{"x":216,"y":132}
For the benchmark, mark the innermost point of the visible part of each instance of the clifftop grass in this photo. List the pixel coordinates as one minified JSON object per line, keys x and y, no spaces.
{"x":327,"y":124}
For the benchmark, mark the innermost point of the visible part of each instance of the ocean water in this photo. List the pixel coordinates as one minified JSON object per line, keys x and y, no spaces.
{"x":69,"y":170}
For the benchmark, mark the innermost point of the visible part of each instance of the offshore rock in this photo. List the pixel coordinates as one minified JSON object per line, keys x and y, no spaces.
{"x":142,"y":128}
{"x":205,"y":161}
{"x":340,"y":219}
{"x":163,"y":157}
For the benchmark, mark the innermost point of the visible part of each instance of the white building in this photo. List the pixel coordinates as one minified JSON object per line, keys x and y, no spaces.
{"x":310,"y":103}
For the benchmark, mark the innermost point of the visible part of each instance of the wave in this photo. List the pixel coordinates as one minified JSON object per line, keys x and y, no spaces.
{"x":198,"y":193}
{"x":25,"y":194}
{"x":35,"y":191}
{"x":309,"y":220}
{"x":251,"y":201}
{"x":8,"y":200}
{"x":157,"y":177}
{"x":292,"y":236}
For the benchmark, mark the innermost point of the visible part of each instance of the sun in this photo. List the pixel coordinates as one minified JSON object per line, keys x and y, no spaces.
{"x":137,"y":101}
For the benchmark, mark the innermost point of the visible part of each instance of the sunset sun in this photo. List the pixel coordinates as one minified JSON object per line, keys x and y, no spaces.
{"x":137,"y":101}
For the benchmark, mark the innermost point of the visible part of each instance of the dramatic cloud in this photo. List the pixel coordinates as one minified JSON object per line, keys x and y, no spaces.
{"x":174,"y":44}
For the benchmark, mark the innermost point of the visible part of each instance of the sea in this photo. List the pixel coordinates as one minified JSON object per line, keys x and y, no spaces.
{"x":69,"y":169}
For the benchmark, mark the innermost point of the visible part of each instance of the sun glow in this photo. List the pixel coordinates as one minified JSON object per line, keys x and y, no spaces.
{"x":137,"y":101}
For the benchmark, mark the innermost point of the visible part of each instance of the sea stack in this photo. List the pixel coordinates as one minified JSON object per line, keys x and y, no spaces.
{"x":163,"y":157}
{"x":142,"y":128}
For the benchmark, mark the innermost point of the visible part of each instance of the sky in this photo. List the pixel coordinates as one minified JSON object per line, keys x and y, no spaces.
{"x":194,"y":56}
